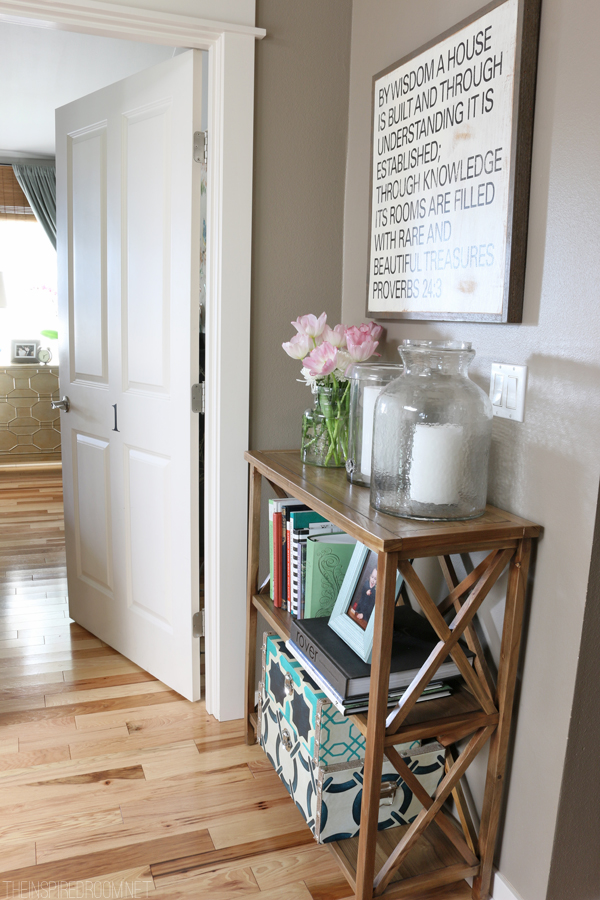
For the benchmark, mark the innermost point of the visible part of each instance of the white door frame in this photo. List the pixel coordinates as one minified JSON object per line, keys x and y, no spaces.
{"x":231,"y":125}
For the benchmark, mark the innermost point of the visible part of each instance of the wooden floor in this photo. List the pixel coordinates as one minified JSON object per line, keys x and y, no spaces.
{"x":112,"y":785}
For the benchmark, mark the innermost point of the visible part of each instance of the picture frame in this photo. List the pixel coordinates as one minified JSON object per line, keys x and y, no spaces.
{"x":23,"y":351}
{"x":451,"y":146}
{"x":352,"y":617}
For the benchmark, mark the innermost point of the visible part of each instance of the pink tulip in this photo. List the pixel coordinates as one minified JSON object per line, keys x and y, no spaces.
{"x":310,"y":324}
{"x":358,"y":334}
{"x":335,"y":336}
{"x":322,"y":360}
{"x":376,"y":331}
{"x":360,"y":350}
{"x":298,"y":347}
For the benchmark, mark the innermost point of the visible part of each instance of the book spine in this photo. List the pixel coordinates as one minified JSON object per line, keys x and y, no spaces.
{"x":301,"y":578}
{"x":271,"y":571}
{"x":283,"y":554}
{"x":296,"y":535}
{"x":277,"y":559}
{"x":288,"y":564}
{"x":319,"y":660}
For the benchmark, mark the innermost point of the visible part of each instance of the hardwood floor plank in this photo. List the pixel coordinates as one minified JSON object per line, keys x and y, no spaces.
{"x":106,"y":693}
{"x":17,"y":855}
{"x":150,"y":852}
{"x":195,"y":886}
{"x":176,"y":870}
{"x":10,"y":762}
{"x":72,"y":737}
{"x":97,"y":720}
{"x":224,"y":884}
{"x":290,"y":866}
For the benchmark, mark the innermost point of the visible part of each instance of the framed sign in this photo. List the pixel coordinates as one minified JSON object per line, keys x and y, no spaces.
{"x":450,"y":170}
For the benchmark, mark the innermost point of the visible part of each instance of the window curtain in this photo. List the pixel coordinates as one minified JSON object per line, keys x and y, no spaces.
{"x":39,"y":186}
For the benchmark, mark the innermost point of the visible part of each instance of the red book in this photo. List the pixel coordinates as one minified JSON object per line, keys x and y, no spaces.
{"x":277,"y":559}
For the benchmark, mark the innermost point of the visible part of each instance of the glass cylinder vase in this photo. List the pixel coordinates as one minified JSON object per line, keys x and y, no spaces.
{"x":432,"y":435}
{"x":366,"y":382}
{"x":325,"y":427}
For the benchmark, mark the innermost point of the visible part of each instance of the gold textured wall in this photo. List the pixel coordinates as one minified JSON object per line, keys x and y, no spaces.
{"x":29,"y":427}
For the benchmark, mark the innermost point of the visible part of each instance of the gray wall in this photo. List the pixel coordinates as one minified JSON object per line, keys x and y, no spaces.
{"x":301,"y":117}
{"x":547,"y":468}
{"x":575,"y":869}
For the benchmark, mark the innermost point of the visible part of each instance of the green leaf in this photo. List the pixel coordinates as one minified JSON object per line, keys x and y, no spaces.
{"x":53,"y":335}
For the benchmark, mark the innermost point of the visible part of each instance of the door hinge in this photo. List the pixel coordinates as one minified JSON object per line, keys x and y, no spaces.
{"x":201,"y":146}
{"x":198,"y":624}
{"x":198,"y":397}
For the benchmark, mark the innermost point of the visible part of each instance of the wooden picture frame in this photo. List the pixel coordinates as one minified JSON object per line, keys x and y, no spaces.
{"x":451,"y":141}
{"x":351,"y":617}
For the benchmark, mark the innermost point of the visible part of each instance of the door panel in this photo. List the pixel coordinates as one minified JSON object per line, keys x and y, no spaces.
{"x":128,"y":195}
{"x":146,"y":248}
{"x":87,"y":190}
{"x":92,"y":500}
{"x":147,"y":514}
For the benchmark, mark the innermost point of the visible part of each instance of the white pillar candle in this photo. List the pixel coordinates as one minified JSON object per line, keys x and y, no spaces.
{"x":436,"y":464}
{"x":370,"y":395}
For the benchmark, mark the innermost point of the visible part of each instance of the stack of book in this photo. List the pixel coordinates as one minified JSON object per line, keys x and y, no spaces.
{"x":346,"y":679}
{"x":308,"y":558}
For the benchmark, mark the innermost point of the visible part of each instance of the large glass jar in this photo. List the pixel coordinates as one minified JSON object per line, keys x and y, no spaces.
{"x":432,"y":435}
{"x":366,"y":382}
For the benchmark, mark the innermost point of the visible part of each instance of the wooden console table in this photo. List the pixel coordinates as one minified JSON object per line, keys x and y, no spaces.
{"x":402,"y":862}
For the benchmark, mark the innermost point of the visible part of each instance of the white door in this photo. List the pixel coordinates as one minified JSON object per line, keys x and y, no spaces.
{"x":128,"y":215}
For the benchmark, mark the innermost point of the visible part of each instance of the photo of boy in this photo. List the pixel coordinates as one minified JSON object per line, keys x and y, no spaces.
{"x":363,"y":600}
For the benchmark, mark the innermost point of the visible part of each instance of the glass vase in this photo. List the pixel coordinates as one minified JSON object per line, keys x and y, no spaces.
{"x":366,"y":381}
{"x":432,"y":435}
{"x":325,"y":427}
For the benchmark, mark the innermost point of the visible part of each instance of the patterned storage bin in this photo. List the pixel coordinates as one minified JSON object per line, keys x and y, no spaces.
{"x":318,"y":753}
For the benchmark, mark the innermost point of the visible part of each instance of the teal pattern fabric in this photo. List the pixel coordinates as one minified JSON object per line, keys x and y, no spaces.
{"x":39,"y":186}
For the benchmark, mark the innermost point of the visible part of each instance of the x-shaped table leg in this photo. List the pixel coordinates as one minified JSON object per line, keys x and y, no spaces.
{"x":449,"y":637}
{"x":443,"y":822}
{"x":428,"y":814}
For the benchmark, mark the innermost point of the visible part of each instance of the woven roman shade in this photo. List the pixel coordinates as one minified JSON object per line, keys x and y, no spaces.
{"x":13,"y":202}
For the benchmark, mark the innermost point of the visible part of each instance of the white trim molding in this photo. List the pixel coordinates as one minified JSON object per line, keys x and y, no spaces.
{"x":126,"y":22}
{"x":231,"y":124}
{"x":503,"y":889}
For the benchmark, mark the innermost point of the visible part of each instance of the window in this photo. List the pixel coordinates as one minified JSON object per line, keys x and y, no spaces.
{"x":28,"y":267}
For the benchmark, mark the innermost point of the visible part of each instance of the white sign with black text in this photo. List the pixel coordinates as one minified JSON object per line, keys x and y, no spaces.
{"x":441,"y":175}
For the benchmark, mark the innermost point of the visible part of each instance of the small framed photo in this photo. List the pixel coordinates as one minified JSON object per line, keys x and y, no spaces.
{"x":25,"y":351}
{"x":352,"y":617}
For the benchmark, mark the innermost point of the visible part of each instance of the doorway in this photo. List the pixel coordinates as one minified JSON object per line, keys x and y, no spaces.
{"x":231,"y":63}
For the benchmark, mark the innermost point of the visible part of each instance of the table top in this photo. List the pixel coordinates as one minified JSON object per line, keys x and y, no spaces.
{"x":329,"y":493}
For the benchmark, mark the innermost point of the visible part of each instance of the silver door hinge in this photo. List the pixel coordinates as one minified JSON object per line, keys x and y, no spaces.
{"x":201,"y":146}
{"x":198,"y":397}
{"x":198,"y":624}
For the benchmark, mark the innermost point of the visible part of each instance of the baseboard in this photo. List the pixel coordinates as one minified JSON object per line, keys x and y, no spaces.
{"x":503,"y":889}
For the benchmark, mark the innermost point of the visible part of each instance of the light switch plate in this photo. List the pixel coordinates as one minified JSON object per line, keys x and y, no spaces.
{"x":507,"y":391}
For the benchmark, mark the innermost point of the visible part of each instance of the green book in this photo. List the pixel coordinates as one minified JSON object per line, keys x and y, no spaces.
{"x":327,"y":558}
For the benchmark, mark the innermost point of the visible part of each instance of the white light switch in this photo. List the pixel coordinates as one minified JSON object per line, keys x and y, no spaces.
{"x":497,"y":390}
{"x":507,"y":391}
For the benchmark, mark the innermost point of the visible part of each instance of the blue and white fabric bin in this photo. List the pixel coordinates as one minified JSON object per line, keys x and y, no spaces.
{"x":319,"y":754}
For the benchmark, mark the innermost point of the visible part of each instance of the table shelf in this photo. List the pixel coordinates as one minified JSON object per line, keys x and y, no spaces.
{"x":432,"y":851}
